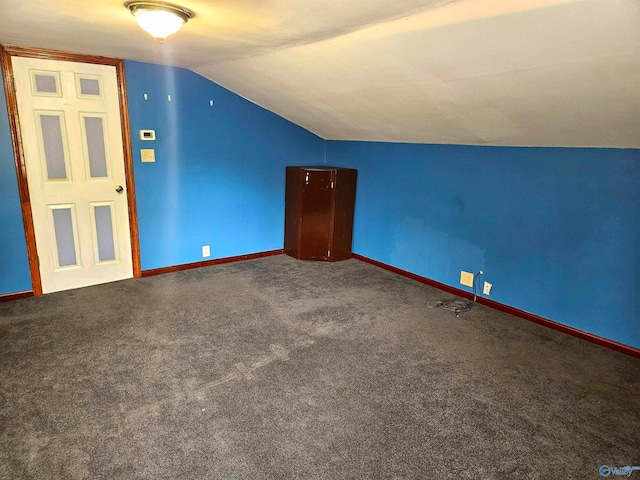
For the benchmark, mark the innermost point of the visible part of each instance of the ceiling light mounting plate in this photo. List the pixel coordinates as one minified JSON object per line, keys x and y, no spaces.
{"x":181,"y":12}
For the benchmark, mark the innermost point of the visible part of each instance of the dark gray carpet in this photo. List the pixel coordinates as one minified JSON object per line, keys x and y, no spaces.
{"x":275,"y":368}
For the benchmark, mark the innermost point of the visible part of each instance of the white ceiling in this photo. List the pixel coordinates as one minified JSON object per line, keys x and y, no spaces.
{"x":498,"y":72}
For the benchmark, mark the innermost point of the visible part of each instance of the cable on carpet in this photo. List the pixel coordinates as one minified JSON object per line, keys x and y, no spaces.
{"x":460,"y":306}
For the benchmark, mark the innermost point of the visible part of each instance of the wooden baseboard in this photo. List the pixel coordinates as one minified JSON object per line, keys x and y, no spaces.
{"x":208,"y":263}
{"x":7,"y":297}
{"x":589,"y":337}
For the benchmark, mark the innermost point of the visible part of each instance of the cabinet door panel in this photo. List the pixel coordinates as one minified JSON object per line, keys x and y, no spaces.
{"x":345,"y":197}
{"x":316,"y":215}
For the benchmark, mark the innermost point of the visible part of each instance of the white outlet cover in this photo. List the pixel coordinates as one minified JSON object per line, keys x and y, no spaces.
{"x":487,"y":288}
{"x":206,"y":251}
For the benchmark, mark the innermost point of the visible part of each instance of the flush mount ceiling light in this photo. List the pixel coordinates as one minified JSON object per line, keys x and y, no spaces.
{"x":160,"y":19}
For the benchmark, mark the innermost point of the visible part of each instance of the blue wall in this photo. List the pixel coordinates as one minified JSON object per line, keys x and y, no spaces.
{"x":218,"y":178}
{"x":14,"y":264}
{"x":556,"y":230}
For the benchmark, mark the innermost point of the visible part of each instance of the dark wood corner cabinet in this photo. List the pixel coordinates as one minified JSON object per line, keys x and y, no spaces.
{"x":318,"y":221}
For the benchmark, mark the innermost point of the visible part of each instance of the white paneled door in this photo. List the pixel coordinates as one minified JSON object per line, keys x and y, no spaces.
{"x":72,"y":141}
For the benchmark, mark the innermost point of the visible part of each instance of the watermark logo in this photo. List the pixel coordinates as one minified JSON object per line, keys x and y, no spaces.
{"x":606,"y":470}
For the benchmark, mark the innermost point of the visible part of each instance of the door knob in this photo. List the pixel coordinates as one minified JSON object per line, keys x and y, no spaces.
{"x":119,"y":189}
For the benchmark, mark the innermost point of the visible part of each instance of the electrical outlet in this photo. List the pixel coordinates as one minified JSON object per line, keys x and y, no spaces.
{"x":466,"y":278}
{"x":487,"y":288}
{"x":206,"y":251}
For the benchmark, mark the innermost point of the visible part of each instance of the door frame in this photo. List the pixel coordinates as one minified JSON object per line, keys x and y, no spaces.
{"x":8,"y":51}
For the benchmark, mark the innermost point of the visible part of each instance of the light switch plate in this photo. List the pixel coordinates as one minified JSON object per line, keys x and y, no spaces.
{"x":148,"y":154}
{"x":147,"y":134}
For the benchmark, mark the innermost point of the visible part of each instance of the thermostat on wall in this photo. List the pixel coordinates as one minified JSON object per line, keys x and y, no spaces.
{"x":147,"y":134}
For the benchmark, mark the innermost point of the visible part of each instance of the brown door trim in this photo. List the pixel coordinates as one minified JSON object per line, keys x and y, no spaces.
{"x":6,"y":52}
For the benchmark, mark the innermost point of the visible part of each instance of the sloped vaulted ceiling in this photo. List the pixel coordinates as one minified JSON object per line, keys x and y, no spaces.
{"x":498,"y":72}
